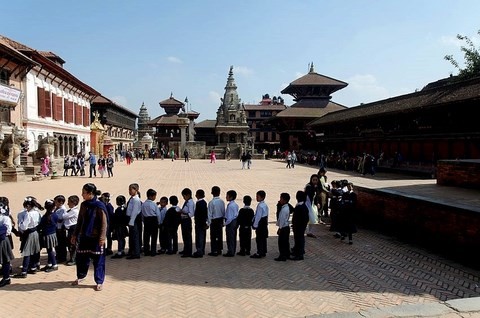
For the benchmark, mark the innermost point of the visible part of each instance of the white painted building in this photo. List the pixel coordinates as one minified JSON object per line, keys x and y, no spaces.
{"x":55,"y":103}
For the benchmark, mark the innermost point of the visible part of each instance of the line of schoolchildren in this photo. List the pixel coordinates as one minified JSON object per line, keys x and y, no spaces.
{"x":54,"y":230}
{"x":51,"y":231}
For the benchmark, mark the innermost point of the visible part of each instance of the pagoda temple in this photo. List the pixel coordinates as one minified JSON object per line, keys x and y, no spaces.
{"x":312,"y":96}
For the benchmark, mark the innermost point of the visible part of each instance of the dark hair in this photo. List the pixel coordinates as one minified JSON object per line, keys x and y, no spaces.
{"x":32,"y":201}
{"x":285,"y":196}
{"x":187,"y":192}
{"x":247,"y":200}
{"x":173,"y":200}
{"x":151,"y":193}
{"x":200,"y":193}
{"x":314,"y":176}
{"x":301,"y":196}
{"x":59,"y":198}
{"x":215,"y":190}
{"x":164,"y":199}
{"x":322,"y":170}
{"x":74,"y":199}
{"x":232,"y":194}
{"x":262,"y":194}
{"x":136,"y":187}
{"x":49,"y":206}
{"x":91,"y":188}
{"x":121,"y":200}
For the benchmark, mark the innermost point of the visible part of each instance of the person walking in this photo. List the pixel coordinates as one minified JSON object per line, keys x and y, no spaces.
{"x":92,"y":160}
{"x":90,"y":235}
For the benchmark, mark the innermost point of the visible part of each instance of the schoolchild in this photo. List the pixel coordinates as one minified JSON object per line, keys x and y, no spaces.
{"x":348,"y":214}
{"x":105,"y":198}
{"x":134,"y":211}
{"x":231,"y":214}
{"x":48,"y":229}
{"x":300,"y":220}
{"x":70,"y":218}
{"x":283,"y":231}
{"x":59,"y":210}
{"x":216,"y":215}
{"x":171,"y":223}
{"x":110,"y":163}
{"x":120,"y":225}
{"x":162,"y":230}
{"x":244,"y":222}
{"x":6,"y":253}
{"x":150,"y":214}
{"x":201,"y":226}
{"x":260,"y":225}
{"x":66,"y":165}
{"x":28,"y":221}
{"x":73,"y":166}
{"x":188,"y":211}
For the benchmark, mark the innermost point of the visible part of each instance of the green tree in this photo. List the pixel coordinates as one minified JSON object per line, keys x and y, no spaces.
{"x":472,"y":58}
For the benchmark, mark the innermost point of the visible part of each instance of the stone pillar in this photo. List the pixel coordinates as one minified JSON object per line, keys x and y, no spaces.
{"x":182,"y":124}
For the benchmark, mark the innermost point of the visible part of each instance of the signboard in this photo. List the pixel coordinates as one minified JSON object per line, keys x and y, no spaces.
{"x":9,"y":95}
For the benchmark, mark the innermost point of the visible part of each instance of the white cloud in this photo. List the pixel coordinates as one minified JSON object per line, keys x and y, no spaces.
{"x":214,"y":97}
{"x":173,"y":59}
{"x":243,"y":70}
{"x":121,"y":100}
{"x":363,"y":88}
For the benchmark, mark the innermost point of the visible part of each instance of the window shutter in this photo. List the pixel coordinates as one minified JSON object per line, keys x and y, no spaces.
{"x":69,"y":111}
{"x":59,"y":108}
{"x":41,"y":102}
{"x":86,"y":116}
{"x":48,"y":104}
{"x":78,"y":114}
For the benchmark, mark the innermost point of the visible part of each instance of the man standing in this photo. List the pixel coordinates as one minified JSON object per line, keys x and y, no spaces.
{"x":92,"y":160}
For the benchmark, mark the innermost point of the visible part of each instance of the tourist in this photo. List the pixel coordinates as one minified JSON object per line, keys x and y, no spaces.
{"x":92,"y":160}
{"x":45,"y":168}
{"x":185,"y":154}
{"x":213,"y":157}
{"x":101,"y":165}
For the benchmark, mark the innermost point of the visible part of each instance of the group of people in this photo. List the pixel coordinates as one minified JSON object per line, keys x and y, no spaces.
{"x":86,"y":231}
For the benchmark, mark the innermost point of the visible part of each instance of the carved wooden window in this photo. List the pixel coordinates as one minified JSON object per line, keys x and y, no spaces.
{"x":86,"y":116}
{"x":57,"y":107}
{"x":44,"y":103}
{"x":68,"y":110}
{"x":78,"y":114}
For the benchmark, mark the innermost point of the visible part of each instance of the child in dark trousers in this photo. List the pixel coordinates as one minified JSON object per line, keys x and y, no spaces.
{"x":162,"y":230}
{"x":260,"y":224}
{"x":172,"y":221}
{"x":299,"y":224}
{"x":201,"y":226}
{"x":120,"y":225}
{"x":244,"y":222}
{"x":283,"y":231}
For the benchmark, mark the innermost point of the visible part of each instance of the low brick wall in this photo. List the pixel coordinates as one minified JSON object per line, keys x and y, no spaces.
{"x":452,"y":231}
{"x":459,"y":173}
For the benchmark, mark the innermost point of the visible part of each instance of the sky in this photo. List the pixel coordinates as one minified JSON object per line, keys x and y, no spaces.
{"x":141,"y":51}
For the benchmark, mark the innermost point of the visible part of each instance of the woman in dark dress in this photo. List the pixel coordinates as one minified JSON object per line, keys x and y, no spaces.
{"x":90,"y":236}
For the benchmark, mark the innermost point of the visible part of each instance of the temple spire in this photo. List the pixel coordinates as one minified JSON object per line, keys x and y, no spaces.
{"x":311,"y":68}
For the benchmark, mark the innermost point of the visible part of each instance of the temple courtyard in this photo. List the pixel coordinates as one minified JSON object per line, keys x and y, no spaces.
{"x":376,"y":274}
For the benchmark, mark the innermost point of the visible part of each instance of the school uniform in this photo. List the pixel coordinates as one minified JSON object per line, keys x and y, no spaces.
{"x":201,"y":219}
{"x":61,"y":235}
{"x":150,"y":213}
{"x":134,"y":212}
{"x":30,"y":242}
{"x":216,"y":215}
{"x":48,"y":228}
{"x":110,"y":214}
{"x":172,"y":221}
{"x":283,"y":233}
{"x":231,"y":214}
{"x":244,"y":222}
{"x":70,"y":218}
{"x":120,"y":229}
{"x":6,"y":253}
{"x":260,"y":224}
{"x":299,"y":224}
{"x":188,"y":211}
{"x":162,"y":230}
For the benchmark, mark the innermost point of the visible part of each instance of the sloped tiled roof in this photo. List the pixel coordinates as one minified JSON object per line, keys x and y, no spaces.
{"x":427,"y":98}
{"x":104,"y":100}
{"x":5,"y":46}
{"x":51,"y":55}
{"x":207,"y":123}
{"x":164,"y":120}
{"x":310,"y":112}
{"x":171,"y":101}
{"x":314,"y":79}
